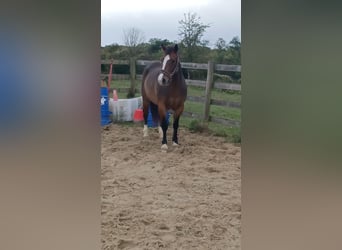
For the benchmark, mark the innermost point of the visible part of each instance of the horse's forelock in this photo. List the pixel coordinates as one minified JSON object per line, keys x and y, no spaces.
{"x":170,"y":49}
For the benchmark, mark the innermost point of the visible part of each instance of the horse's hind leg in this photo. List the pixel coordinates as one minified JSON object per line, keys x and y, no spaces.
{"x":145,"y":111}
{"x":176,"y":116}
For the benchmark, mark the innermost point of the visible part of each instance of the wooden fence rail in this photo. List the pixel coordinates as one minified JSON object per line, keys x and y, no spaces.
{"x":209,"y":84}
{"x":185,"y":65}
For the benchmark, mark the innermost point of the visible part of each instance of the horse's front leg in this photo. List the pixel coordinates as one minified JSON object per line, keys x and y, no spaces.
{"x":160,"y":131}
{"x":164,"y":125}
{"x":175,"y":131}
{"x":145,"y":111}
{"x":176,"y":116}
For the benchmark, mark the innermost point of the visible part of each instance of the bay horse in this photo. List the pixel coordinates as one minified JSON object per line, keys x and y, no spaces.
{"x":163,"y":88}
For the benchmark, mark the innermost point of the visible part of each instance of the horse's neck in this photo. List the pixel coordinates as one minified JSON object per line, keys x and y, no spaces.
{"x":179,"y":74}
{"x":178,"y":81}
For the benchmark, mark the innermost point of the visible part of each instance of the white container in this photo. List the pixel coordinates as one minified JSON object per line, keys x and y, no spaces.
{"x":123,"y":109}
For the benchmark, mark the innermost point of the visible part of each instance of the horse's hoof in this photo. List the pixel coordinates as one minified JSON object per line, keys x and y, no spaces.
{"x":164,"y":147}
{"x":175,"y":144}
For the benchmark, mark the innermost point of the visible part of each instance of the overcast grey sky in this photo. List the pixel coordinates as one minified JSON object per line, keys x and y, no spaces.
{"x":159,"y":19}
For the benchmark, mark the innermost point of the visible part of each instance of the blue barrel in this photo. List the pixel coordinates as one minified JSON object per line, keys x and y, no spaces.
{"x":151,"y":123}
{"x":105,"y":113}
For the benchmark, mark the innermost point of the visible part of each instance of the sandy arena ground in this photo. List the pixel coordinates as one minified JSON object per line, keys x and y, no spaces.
{"x":187,"y":198}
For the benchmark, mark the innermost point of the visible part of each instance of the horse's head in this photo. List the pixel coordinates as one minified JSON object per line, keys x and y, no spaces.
{"x":170,"y":63}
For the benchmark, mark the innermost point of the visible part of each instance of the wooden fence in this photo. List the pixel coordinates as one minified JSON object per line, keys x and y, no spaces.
{"x":209,"y":84}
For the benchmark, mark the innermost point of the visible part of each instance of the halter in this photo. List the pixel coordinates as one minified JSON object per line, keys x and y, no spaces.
{"x":173,"y":72}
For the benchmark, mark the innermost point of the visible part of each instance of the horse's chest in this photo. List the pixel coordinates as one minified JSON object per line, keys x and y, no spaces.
{"x":172,"y":102}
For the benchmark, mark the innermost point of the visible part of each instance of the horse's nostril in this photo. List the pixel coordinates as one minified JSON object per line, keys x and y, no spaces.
{"x":164,"y":80}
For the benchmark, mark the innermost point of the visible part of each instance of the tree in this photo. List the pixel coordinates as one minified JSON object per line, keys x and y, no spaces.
{"x":228,"y":53}
{"x":220,"y":50}
{"x":155,"y":45}
{"x":133,"y":38}
{"x":234,"y":56}
{"x":191,"y":31}
{"x":221,"y":44}
{"x":235,"y":46}
{"x":235,"y":43}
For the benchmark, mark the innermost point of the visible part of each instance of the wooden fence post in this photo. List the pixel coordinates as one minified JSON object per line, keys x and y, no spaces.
{"x":208,"y":87}
{"x":132,"y":70}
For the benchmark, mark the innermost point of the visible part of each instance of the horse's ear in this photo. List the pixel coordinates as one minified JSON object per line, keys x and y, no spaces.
{"x":163,"y":47}
{"x":176,"y":48}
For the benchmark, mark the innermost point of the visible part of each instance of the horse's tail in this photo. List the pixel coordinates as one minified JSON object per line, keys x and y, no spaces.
{"x":154,"y":112}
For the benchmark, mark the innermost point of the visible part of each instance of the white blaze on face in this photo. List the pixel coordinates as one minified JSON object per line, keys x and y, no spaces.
{"x":166,"y":58}
{"x":161,"y":75}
